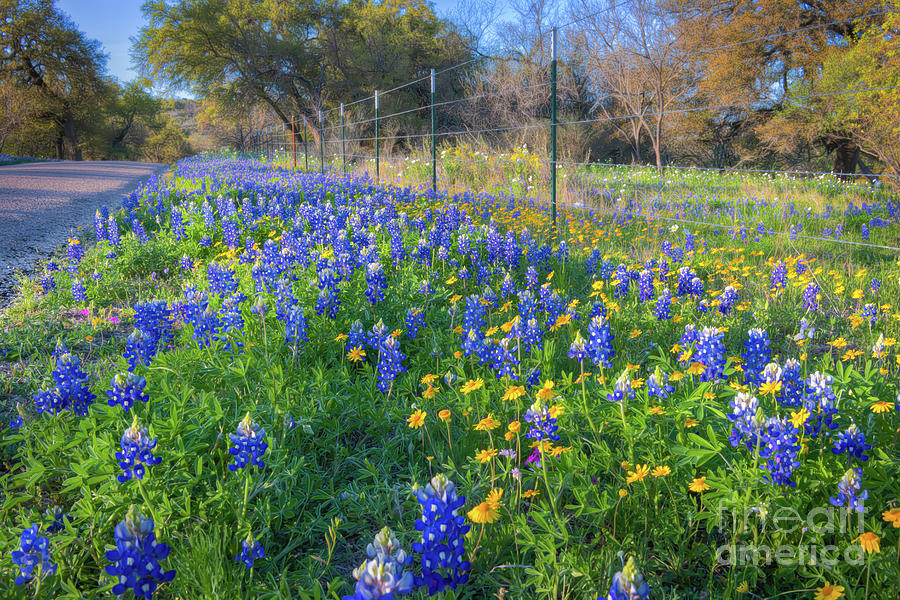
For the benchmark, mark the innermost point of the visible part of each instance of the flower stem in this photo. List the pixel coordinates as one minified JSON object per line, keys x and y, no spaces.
{"x":149,"y":505}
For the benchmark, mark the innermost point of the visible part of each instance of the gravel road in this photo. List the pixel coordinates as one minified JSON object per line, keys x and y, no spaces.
{"x":42,"y":204}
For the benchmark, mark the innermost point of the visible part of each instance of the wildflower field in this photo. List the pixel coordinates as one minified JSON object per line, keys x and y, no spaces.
{"x":251,"y":382}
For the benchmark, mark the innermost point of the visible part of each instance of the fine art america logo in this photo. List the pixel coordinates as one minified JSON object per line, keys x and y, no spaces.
{"x":787,"y":523}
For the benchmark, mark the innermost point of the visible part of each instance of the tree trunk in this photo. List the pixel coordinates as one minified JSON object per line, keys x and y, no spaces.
{"x":846,"y":156}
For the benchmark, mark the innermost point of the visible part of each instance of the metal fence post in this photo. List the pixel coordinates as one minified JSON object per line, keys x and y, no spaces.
{"x":321,"y":143}
{"x":305,"y":143}
{"x":293,"y":144}
{"x":343,"y":145}
{"x":553,"y":130}
{"x":377,"y":145}
{"x":433,"y":140}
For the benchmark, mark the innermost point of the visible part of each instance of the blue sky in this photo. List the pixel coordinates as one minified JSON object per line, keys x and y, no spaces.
{"x":113,"y":22}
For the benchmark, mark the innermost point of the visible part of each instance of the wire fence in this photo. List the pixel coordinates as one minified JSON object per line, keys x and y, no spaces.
{"x":427,"y":143}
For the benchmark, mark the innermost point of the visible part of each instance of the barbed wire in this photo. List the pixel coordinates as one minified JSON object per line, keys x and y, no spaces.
{"x":621,"y":117}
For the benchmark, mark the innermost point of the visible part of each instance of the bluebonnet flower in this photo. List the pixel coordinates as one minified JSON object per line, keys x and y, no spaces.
{"x":793,"y":386}
{"x":33,"y":555}
{"x":177,"y":224}
{"x":112,"y":232}
{"x":138,"y":349}
{"x":685,"y":277}
{"x":251,"y":550}
{"x":127,"y":388}
{"x":628,"y":584}
{"x":621,"y":389}
{"x":71,"y":392}
{"x":390,"y":363}
{"x":850,"y":492}
{"x":807,"y":331}
{"x":295,"y":327}
{"x":186,"y":262}
{"x":75,"y":254}
{"x":870,"y":311}
{"x":48,"y":284}
{"x":874,"y":286}
{"x":697,"y":287}
{"x":382,"y":575}
{"x":19,"y":419}
{"x":746,"y":420}
{"x":154,"y":318}
{"x":542,"y":423}
{"x":599,"y":342}
{"x":810,"y":297}
{"x":779,"y":276}
{"x":221,"y":279}
{"x":137,"y":452}
{"x":442,"y":546}
{"x":230,"y":233}
{"x":59,"y":518}
{"x":727,"y":300}
{"x":259,"y":308}
{"x":577,"y":349}
{"x":504,"y":360}
{"x":415,"y":320}
{"x":663,"y":305}
{"x":99,"y":226}
{"x":756,"y":355}
{"x":645,"y":285}
{"x":820,"y":402}
{"x":139,"y":232}
{"x":376,"y":282}
{"x":78,"y":292}
{"x":658,"y":385}
{"x":780,"y":447}
{"x":474,"y":315}
{"x":328,"y":303}
{"x":853,"y":442}
{"x":137,"y":557}
{"x":248,"y":445}
{"x":707,"y":349}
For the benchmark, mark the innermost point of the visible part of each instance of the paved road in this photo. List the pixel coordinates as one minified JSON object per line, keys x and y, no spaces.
{"x":42,"y":204}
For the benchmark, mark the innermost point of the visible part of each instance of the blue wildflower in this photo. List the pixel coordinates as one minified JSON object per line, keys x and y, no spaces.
{"x":628,"y":584}
{"x":756,"y":355}
{"x":33,"y":555}
{"x":390,"y":363}
{"x":251,"y":550}
{"x":599,"y":342}
{"x":137,"y":557}
{"x":850,"y":492}
{"x":442,"y":546}
{"x":853,"y":442}
{"x":137,"y":452}
{"x":127,"y":388}
{"x":248,"y":445}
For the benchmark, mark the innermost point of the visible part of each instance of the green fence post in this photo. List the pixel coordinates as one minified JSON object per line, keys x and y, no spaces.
{"x":343,"y":145}
{"x":553,"y":129}
{"x":433,"y":140}
{"x":377,"y":146}
{"x":305,"y":143}
{"x":321,"y":143}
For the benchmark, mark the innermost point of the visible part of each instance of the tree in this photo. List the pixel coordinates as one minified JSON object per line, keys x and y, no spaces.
{"x":862,"y":124}
{"x":231,"y":124}
{"x":42,"y":51}
{"x":764,"y":51}
{"x":637,"y":67}
{"x":17,"y":110}
{"x":288,"y":54}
